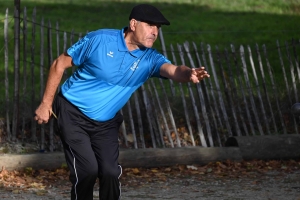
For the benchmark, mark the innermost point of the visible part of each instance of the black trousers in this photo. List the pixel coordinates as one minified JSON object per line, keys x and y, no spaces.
{"x":91,"y":149}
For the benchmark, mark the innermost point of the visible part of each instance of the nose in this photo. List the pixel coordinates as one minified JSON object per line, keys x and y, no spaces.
{"x":155,"y":30}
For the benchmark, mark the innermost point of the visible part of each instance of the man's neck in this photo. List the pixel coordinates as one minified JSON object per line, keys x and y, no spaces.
{"x":130,"y":43}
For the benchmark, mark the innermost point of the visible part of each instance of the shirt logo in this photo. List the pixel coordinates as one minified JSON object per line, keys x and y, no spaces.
{"x":135,"y":65}
{"x":110,"y":54}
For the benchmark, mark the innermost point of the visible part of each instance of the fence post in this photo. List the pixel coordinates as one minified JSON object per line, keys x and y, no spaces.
{"x":42,"y":126}
{"x":201,"y":97}
{"x":213,"y":103}
{"x":6,"y":74}
{"x":16,"y":68}
{"x":221,"y":102}
{"x":230,"y":87}
{"x":199,"y":126}
{"x":250,"y":92}
{"x":164,"y":50}
{"x":262,"y":107}
{"x":274,"y":88}
{"x":24,"y":74}
{"x":50,"y":60}
{"x":32,"y":52}
{"x":186,"y":112}
{"x":263,"y":76}
{"x":153,"y":115}
{"x":167,"y":130}
{"x":286,"y":83}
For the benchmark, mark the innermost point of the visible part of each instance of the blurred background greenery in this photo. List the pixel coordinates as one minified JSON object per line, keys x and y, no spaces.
{"x":215,"y":22}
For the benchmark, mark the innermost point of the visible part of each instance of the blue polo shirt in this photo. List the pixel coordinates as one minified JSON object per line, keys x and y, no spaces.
{"x":108,"y":73}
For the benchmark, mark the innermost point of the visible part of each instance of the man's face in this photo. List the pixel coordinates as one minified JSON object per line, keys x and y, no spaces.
{"x":145,"y":33}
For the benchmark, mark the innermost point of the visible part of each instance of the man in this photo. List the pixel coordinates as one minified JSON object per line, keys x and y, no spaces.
{"x":112,"y":64}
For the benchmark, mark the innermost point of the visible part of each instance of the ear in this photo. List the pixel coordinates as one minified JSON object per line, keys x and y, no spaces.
{"x":133,"y":24}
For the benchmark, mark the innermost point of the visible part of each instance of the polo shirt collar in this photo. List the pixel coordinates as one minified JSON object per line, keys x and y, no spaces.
{"x":122,"y":45}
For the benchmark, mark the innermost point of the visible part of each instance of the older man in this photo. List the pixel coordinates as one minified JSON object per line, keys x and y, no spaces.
{"x":112,"y":64}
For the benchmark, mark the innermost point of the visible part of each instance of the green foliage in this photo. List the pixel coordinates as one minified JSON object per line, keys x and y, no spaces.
{"x":215,"y":22}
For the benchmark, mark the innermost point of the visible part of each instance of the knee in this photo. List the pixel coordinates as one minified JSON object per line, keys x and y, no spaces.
{"x":111,"y":171}
{"x":91,"y":172}
{"x":86,"y":174}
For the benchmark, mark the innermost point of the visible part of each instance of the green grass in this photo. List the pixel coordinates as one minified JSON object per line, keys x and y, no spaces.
{"x":216,"y":22}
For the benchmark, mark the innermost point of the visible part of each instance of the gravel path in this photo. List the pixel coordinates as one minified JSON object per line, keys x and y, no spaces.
{"x":272,"y":185}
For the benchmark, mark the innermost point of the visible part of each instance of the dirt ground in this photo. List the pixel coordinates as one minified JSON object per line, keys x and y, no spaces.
{"x":252,"y":185}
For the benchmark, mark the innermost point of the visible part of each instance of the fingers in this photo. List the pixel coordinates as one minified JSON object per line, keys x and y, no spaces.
{"x":200,"y":73}
{"x":42,"y":115}
{"x":40,"y":120}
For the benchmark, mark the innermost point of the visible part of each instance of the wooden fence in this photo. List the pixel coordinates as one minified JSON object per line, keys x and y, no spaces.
{"x":250,"y":92}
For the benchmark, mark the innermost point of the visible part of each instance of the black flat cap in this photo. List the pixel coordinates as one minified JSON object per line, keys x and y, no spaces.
{"x":148,"y":13}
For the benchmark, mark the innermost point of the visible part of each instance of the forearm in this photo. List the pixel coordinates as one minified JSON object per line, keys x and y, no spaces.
{"x":54,"y":78}
{"x":182,"y":74}
{"x":176,"y":73}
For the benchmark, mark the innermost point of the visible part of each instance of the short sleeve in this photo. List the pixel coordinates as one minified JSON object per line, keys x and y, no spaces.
{"x":81,"y":50}
{"x":158,"y":60}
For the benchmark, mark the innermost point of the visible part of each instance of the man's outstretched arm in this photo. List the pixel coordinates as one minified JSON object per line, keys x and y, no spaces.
{"x":183,"y":73}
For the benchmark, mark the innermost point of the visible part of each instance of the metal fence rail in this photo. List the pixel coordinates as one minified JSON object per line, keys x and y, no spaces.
{"x":249,"y":93}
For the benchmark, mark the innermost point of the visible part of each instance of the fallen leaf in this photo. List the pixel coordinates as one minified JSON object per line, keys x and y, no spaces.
{"x":192,"y":167}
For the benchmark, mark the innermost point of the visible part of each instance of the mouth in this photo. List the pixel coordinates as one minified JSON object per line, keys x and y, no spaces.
{"x":152,"y":39}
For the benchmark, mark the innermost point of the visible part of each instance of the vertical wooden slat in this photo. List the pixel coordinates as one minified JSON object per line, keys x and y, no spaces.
{"x":250,"y":92}
{"x":59,"y":145}
{"x":50,"y":60}
{"x":261,"y":103}
{"x":153,"y":115}
{"x":199,"y":126}
{"x":149,"y":118}
{"x":213,"y":104}
{"x":167,"y":130}
{"x":57,"y":39}
{"x":292,"y":70}
{"x":57,"y":46}
{"x":123,"y":130}
{"x":139,"y":118}
{"x":288,"y":91}
{"x":6,"y":76}
{"x":202,"y":83}
{"x":296,"y":60}
{"x":24,"y":73}
{"x":65,"y":42}
{"x":15,"y":121}
{"x":42,"y":81}
{"x":65,"y":75}
{"x":32,"y":51}
{"x":221,"y":102}
{"x":233,"y":104}
{"x":275,"y":92}
{"x":201,"y":97}
{"x":164,"y":50}
{"x":226,"y":90}
{"x":242,"y":93}
{"x":131,"y":121}
{"x":265,"y":88}
{"x":167,"y":104}
{"x":235,"y":95}
{"x":186,"y":112}
{"x":71,"y":43}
